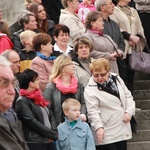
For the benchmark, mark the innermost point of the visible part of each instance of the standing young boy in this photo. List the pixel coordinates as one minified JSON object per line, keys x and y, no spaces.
{"x":73,"y":133}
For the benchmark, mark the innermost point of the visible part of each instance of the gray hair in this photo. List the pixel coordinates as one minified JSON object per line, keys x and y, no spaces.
{"x":99,"y":3}
{"x":6,"y":53}
{"x":4,"y":61}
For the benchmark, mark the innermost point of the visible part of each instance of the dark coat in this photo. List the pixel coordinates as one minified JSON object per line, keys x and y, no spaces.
{"x":16,"y":40}
{"x":33,"y":121}
{"x":53,"y":9}
{"x":52,"y":94}
{"x":10,"y":136}
{"x":115,"y":33}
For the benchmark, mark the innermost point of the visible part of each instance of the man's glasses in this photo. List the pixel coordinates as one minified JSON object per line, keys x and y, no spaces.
{"x":4,"y":82}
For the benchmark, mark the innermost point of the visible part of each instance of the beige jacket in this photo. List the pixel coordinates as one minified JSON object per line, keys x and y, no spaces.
{"x":107,"y":111}
{"x":134,"y":28}
{"x":103,"y":46}
{"x":73,"y":22}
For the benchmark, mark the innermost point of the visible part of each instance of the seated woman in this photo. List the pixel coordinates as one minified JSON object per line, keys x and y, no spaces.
{"x":110,"y":107}
{"x":83,"y":48}
{"x":104,"y":46}
{"x":63,"y":84}
{"x":43,"y":24}
{"x":38,"y":122}
{"x":43,"y":62}
{"x":61,"y":35}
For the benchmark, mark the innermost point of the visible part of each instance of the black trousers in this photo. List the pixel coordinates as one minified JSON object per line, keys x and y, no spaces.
{"x":122,"y":145}
{"x":42,"y":146}
{"x":130,"y":73}
{"x":146,"y":24}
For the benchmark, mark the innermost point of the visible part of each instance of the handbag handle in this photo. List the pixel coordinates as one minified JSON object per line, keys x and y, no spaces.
{"x":111,"y":43}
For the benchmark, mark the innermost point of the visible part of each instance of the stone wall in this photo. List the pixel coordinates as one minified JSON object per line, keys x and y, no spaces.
{"x":11,"y":9}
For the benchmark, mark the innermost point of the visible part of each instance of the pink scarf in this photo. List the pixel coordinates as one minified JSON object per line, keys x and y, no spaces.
{"x":72,"y":88}
{"x":98,"y":32}
{"x":36,"y":96}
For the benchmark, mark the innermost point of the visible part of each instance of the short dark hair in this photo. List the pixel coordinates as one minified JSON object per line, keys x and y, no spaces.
{"x":26,"y":77}
{"x":60,"y":27}
{"x":40,"y":39}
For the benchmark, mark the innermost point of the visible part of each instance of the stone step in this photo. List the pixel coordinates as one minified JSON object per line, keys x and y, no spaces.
{"x":141,"y":76}
{"x":142,"y":115}
{"x":143,"y":119}
{"x":143,"y":104}
{"x":142,"y":84}
{"x":141,"y":94}
{"x":144,"y":145}
{"x":141,"y":135}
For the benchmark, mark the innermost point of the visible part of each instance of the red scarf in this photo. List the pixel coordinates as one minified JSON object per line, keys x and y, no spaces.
{"x":36,"y":96}
{"x":98,"y":32}
{"x":72,"y":88}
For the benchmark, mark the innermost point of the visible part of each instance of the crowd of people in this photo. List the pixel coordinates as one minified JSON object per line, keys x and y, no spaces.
{"x":60,"y":87}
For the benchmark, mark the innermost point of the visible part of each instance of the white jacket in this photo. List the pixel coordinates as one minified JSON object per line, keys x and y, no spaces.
{"x":107,"y":111}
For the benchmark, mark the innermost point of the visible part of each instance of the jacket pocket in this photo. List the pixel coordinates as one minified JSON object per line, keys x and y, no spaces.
{"x":81,"y":139}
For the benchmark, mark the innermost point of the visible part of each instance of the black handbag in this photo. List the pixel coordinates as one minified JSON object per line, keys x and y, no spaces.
{"x":133,"y":125}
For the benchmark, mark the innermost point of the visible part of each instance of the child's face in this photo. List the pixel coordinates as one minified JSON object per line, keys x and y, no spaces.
{"x":73,"y":113}
{"x":87,"y":2}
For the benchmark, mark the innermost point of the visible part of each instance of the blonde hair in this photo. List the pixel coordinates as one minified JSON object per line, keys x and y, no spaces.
{"x":98,"y":64}
{"x":25,"y":35}
{"x":59,"y":63}
{"x":70,"y":102}
{"x":65,"y":4}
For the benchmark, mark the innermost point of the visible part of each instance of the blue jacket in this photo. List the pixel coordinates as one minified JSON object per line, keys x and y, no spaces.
{"x":78,"y":137}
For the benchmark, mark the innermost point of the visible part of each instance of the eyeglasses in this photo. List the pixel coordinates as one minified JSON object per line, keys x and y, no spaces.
{"x":102,"y":75}
{"x":4,"y":82}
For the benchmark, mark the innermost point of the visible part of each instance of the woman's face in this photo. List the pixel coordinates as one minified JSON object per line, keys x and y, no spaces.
{"x":126,"y":2}
{"x":101,"y":77}
{"x":62,"y":38}
{"x":98,"y":24}
{"x":41,"y":13}
{"x":83,"y":51}
{"x":35,"y":84}
{"x":69,"y":68}
{"x":47,"y":49}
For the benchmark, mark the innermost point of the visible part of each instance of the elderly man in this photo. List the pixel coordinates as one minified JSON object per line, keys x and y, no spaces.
{"x":27,"y":21}
{"x":111,"y":28}
{"x":10,"y":136}
{"x":14,"y":58}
